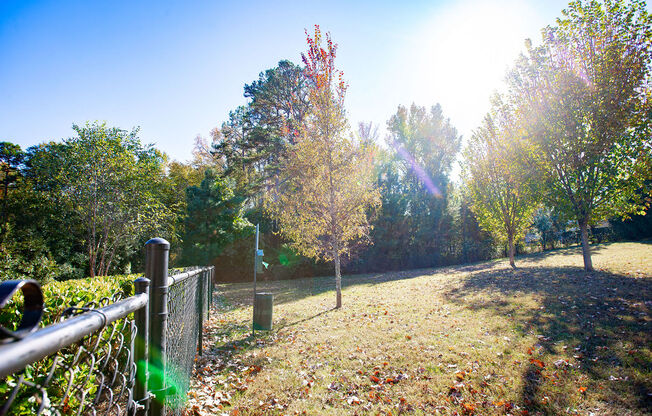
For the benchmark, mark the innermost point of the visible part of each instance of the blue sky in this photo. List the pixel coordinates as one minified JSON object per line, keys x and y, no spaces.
{"x":176,"y":68}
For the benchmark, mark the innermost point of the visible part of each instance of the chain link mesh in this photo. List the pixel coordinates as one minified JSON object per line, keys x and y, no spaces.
{"x":94,"y":376}
{"x":186,"y":299}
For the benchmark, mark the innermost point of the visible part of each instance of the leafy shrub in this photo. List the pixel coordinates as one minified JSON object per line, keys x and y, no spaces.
{"x":58,"y":296}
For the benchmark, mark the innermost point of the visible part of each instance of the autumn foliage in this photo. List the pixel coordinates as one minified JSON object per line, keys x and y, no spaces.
{"x":328,"y":189}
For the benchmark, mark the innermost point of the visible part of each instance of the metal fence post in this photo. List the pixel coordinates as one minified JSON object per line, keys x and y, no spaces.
{"x":141,"y":318}
{"x":201,"y":287}
{"x":210,"y":290}
{"x":209,"y":301}
{"x":157,"y":251}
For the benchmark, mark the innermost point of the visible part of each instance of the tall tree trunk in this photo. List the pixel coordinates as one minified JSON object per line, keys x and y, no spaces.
{"x":91,"y":261}
{"x":338,"y":281}
{"x":510,"y":239}
{"x":586,"y":250}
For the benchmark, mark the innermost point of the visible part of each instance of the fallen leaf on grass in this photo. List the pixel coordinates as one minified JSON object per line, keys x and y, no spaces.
{"x":469,"y":409}
{"x":538,"y":363}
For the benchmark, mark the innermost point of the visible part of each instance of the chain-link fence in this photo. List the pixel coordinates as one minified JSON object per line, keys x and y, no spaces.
{"x":187,"y":304}
{"x":93,"y":374}
{"x":131,"y":356}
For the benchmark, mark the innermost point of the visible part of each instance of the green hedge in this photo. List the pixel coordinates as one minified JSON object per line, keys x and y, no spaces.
{"x":58,"y":296}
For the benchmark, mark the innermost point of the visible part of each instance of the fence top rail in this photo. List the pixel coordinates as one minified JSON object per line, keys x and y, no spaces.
{"x":44,"y":342}
{"x":178,"y":278}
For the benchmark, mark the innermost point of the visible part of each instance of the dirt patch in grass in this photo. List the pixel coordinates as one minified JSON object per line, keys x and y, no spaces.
{"x":484,"y":339}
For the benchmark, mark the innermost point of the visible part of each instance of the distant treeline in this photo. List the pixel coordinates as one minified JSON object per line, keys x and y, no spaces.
{"x":86,"y":205}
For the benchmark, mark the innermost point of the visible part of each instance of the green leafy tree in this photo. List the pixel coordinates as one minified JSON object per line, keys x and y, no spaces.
{"x":638,"y":227}
{"x":42,"y":237}
{"x":502,"y":192}
{"x":214,"y":219}
{"x":586,"y":92}
{"x":178,"y":179}
{"x":424,"y":146}
{"x":391,"y":232}
{"x":550,"y":225}
{"x":471,"y":242}
{"x":11,"y":157}
{"x":327,"y":191}
{"x":542,"y":222}
{"x":112,"y":183}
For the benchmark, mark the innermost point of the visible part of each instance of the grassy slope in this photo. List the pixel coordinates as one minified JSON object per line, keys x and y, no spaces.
{"x":482,"y":339}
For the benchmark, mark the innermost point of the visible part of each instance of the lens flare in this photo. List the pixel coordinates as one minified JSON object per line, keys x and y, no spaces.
{"x":418,"y":171}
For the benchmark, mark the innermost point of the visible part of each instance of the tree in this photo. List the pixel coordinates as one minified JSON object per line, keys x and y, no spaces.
{"x":550,"y":225}
{"x":502,"y":193}
{"x":424,"y":145}
{"x":214,"y":219}
{"x":11,"y":157}
{"x":38,"y":237}
{"x":322,"y":206}
{"x":586,"y":92}
{"x":472,"y":242}
{"x":253,"y":141}
{"x":414,"y":226}
{"x":542,"y":221}
{"x":391,"y":232}
{"x":368,"y":134}
{"x":112,"y":183}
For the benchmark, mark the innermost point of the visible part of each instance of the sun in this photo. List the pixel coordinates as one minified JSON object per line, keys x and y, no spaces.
{"x":462,"y":53}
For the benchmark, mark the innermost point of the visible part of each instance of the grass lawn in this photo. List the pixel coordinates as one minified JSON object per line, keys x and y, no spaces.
{"x":483,"y":339}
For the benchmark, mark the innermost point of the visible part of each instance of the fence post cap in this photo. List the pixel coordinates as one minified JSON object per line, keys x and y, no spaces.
{"x":157,"y":241}
{"x":141,"y":283}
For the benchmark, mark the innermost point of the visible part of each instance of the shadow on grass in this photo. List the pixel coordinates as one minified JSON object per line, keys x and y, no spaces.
{"x":247,"y":341}
{"x":604,"y":317}
{"x":285,"y":291}
{"x":574,"y":250}
{"x":284,"y":324}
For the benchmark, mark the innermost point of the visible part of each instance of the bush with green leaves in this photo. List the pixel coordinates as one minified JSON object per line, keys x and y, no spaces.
{"x":58,"y":296}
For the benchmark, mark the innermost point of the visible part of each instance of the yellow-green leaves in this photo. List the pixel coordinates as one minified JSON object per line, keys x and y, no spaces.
{"x":501,"y":187}
{"x":322,"y":204}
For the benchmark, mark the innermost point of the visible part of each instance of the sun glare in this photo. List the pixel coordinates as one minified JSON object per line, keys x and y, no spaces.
{"x":462,"y":53}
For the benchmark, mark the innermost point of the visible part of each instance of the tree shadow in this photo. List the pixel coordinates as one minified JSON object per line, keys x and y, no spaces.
{"x":573,"y":250}
{"x":247,"y":343}
{"x":604,"y":317}
{"x":282,"y":324}
{"x":287,"y":291}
